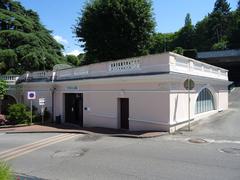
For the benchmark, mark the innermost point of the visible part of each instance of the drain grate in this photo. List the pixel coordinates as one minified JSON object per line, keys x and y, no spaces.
{"x":231,"y":150}
{"x":197,"y":140}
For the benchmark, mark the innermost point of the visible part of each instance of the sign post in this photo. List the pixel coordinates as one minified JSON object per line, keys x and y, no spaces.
{"x":42,"y":103}
{"x":31,"y":95}
{"x":189,"y":85}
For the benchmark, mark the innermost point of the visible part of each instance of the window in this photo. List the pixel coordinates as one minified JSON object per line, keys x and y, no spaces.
{"x":205,"y":101}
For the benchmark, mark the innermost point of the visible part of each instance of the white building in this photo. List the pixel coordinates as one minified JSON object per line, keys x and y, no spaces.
{"x":142,"y":93}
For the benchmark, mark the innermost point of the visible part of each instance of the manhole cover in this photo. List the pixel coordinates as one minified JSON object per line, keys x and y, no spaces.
{"x":72,"y":154}
{"x":197,"y":140}
{"x":231,"y":150}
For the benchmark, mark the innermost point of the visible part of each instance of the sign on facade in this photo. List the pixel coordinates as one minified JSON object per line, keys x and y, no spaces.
{"x":31,"y":95}
{"x":189,"y":84}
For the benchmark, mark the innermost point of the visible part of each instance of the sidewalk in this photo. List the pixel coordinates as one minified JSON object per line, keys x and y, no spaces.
{"x":66,"y":128}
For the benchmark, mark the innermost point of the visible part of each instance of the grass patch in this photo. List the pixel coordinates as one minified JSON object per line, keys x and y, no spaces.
{"x":5,"y":172}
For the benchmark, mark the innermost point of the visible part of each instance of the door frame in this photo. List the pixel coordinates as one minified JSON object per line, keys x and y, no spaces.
{"x":79,"y":117}
{"x":120,"y":125}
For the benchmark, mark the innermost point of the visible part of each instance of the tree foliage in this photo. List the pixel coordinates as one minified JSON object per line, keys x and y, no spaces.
{"x":185,"y":36}
{"x":73,"y":60}
{"x":3,"y":88}
{"x":162,"y":42}
{"x":25,"y":44}
{"x":19,"y":114}
{"x":114,"y":29}
{"x":218,"y":30}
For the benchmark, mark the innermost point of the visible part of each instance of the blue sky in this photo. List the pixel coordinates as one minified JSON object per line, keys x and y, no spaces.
{"x":60,"y":16}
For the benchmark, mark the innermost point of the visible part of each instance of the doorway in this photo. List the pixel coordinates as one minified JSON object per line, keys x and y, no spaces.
{"x":74,"y":108}
{"x":124,"y":113}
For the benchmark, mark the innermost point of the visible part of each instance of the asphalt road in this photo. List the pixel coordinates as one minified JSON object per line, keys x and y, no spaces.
{"x":214,"y":153}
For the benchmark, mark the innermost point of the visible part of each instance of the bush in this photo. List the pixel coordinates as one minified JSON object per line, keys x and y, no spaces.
{"x":18,"y":114}
{"x":222,"y":45}
{"x":5,"y":172}
{"x":178,"y":50}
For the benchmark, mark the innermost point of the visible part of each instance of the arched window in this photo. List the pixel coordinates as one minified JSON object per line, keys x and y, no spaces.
{"x":6,"y":102}
{"x":205,"y":101}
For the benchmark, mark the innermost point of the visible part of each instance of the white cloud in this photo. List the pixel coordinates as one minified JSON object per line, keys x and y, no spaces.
{"x":60,"y":39}
{"x":73,"y":52}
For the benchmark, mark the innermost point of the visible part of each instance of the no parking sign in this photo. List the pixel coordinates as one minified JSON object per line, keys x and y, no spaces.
{"x":31,"y":95}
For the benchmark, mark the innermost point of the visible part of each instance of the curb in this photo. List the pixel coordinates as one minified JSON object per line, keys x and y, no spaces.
{"x":13,"y":126}
{"x":89,"y":133}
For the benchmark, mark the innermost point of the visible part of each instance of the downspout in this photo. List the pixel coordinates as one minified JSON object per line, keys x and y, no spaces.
{"x":53,"y":90}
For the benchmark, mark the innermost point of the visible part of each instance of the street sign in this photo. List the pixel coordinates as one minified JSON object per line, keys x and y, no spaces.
{"x":42,"y":104}
{"x":31,"y":95}
{"x":189,"y":84}
{"x":41,"y":101}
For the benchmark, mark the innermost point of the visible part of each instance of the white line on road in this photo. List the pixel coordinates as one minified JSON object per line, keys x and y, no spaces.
{"x":222,"y":141}
{"x":24,"y":149}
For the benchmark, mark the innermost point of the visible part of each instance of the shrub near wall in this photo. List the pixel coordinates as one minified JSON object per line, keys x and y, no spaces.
{"x":18,"y":114}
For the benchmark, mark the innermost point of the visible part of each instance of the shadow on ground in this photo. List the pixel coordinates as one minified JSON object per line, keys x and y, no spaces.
{"x":97,"y":130}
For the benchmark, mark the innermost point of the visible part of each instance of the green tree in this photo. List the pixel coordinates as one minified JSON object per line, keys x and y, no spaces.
{"x":238,"y":6}
{"x":219,"y":21}
{"x":162,"y":42}
{"x":3,"y":91}
{"x":203,"y":37}
{"x":234,"y":37}
{"x":25,"y":43}
{"x":73,"y":60}
{"x":188,"y":20}
{"x":213,"y":31}
{"x":185,"y":36}
{"x":222,"y":6}
{"x":114,"y":29}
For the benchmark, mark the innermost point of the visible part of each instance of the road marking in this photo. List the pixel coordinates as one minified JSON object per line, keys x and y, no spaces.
{"x":26,"y":145}
{"x":22,"y":150}
{"x":222,"y":141}
{"x":30,"y":146}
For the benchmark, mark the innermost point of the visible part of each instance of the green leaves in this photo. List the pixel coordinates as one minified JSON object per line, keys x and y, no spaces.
{"x":24,"y":42}
{"x":222,"y":7}
{"x":19,"y":114}
{"x":3,"y":88}
{"x":6,"y":172}
{"x":115,"y":29}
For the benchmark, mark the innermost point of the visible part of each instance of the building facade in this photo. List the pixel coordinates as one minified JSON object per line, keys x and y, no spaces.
{"x":143,"y":93}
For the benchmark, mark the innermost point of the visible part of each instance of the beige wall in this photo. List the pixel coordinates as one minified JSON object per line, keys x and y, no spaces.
{"x":154,"y":103}
{"x":101,"y":101}
{"x":179,"y":101}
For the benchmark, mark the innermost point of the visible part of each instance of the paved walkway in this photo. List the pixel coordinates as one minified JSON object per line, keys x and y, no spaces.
{"x":66,"y":128}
